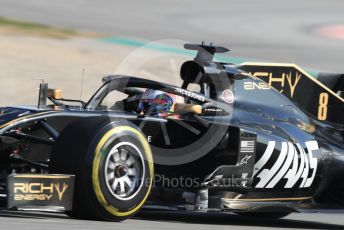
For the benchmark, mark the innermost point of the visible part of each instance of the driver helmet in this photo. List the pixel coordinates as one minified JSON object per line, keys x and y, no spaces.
{"x":159,"y":103}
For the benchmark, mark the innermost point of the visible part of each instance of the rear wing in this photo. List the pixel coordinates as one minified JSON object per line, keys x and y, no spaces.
{"x":304,"y":90}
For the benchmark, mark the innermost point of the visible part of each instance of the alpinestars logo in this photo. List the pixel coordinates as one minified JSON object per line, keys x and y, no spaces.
{"x":293,"y":164}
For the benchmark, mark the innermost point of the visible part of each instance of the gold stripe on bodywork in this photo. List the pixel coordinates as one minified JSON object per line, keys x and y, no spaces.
{"x":23,"y":118}
{"x":51,"y":176}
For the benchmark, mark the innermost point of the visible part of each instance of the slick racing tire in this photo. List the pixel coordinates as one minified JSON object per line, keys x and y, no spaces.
{"x":113,"y":167}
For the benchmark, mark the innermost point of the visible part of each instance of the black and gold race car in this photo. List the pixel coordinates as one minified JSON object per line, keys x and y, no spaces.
{"x":259,"y":139}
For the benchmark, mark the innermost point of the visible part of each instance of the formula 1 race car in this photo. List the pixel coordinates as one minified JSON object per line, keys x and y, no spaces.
{"x":258,"y":139}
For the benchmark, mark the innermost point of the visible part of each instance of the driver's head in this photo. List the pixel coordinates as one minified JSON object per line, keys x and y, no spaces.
{"x":159,"y":103}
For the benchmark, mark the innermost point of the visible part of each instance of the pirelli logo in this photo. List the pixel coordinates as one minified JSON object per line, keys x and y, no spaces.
{"x":34,"y":190}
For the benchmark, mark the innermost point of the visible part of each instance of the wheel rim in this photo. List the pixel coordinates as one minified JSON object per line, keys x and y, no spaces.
{"x":124,"y":171}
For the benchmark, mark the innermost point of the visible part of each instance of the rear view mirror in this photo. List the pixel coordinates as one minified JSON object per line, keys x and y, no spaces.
{"x":55,"y":93}
{"x":181,"y":108}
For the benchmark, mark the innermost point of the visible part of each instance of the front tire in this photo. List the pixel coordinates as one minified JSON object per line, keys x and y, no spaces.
{"x":113,"y":166}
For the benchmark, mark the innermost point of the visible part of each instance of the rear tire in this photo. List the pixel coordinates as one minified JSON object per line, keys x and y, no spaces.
{"x":113,"y":167}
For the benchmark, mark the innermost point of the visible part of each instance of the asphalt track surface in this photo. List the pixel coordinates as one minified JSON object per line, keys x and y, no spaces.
{"x":280,"y":31}
{"x":169,"y":220}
